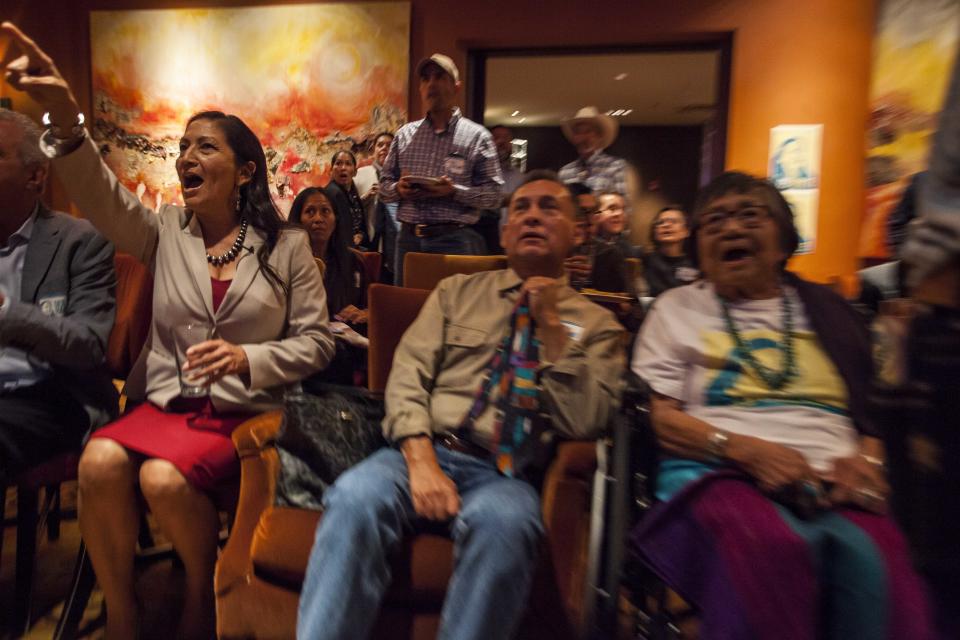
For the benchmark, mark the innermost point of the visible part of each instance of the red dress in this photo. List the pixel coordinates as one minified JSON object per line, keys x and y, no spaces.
{"x":201,"y":449}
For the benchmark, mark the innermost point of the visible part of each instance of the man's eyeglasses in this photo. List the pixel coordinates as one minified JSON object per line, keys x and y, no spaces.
{"x":749,"y":217}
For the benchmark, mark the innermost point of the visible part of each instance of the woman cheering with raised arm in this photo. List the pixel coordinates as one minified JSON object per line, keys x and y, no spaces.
{"x":239,"y":316}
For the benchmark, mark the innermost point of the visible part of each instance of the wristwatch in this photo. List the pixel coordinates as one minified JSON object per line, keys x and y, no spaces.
{"x":717,"y":445}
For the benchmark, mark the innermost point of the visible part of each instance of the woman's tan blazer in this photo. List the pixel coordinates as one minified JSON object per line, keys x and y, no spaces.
{"x":286,"y":336}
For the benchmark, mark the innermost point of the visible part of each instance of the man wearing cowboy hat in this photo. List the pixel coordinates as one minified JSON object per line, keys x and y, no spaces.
{"x":442,"y":170}
{"x":590,"y":132}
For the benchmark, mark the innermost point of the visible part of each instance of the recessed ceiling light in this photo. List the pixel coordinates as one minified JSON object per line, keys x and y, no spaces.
{"x":521,"y":120}
{"x":618,"y":112}
{"x":610,"y":113}
{"x":627,"y":112}
{"x":620,"y":76}
{"x":515,"y":114}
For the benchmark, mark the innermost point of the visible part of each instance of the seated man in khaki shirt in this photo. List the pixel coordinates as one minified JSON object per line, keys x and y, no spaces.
{"x":488,"y":353}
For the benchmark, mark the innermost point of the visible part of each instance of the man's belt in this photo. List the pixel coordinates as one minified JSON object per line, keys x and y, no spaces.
{"x":461,"y":445}
{"x":431,"y":230}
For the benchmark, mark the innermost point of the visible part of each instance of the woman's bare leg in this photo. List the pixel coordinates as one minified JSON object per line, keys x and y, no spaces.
{"x":109,"y":521}
{"x":189,"y":519}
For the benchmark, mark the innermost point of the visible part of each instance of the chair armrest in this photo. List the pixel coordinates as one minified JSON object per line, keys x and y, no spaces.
{"x":254,"y":441}
{"x":566,"y":503}
{"x":252,"y":436}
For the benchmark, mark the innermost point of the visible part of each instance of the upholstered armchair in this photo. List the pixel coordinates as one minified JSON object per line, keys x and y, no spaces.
{"x":425,"y":270}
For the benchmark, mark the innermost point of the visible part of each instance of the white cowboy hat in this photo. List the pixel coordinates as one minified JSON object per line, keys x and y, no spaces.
{"x":607,"y":125}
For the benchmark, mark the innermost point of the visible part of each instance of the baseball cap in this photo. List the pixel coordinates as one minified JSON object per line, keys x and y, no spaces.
{"x":442,"y":61}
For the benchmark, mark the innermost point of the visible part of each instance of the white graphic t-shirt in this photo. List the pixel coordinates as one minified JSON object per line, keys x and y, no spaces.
{"x":685,"y":352}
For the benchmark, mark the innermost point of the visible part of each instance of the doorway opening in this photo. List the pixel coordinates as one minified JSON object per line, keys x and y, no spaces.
{"x":670,"y":102}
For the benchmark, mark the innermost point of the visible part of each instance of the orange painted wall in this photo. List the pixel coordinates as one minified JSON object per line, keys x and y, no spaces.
{"x":793,"y":63}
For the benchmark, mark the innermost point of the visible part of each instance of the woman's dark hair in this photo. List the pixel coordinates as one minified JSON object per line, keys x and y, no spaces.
{"x":377,"y":137}
{"x":663,"y":210}
{"x":740,"y":183}
{"x":353,"y":157}
{"x":256,"y":204}
{"x":338,"y":259}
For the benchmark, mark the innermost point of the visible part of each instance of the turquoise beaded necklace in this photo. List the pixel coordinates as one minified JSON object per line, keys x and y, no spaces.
{"x":775,"y":380}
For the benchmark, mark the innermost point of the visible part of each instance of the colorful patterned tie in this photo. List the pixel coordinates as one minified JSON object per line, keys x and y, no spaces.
{"x":513,"y":373}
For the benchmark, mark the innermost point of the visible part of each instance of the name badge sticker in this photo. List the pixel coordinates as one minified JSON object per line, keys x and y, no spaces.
{"x":53,"y":305}
{"x":574,"y":331}
{"x":454,"y":165}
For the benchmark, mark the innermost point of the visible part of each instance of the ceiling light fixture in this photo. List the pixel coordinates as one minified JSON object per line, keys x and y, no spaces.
{"x":515,"y":114}
{"x":610,"y":113}
{"x":620,"y":76}
{"x":521,"y":120}
{"x":627,"y":112}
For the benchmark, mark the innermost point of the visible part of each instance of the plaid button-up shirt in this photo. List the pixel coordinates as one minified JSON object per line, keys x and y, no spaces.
{"x":600,"y":172}
{"x":464,"y":152}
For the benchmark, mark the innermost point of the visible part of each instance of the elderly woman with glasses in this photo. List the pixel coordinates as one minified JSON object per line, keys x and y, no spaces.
{"x":668,"y":265}
{"x":771,"y":476}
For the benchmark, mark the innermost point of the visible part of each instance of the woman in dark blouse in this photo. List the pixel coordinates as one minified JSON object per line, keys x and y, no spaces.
{"x":343,"y":192}
{"x":344,"y":278}
{"x":315,"y":209}
{"x":668,"y":266}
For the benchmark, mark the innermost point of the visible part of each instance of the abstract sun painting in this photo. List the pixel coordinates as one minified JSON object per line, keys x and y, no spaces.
{"x":308,"y":80}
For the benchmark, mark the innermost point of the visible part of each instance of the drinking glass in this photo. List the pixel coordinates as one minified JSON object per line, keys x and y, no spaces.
{"x":186,"y":336}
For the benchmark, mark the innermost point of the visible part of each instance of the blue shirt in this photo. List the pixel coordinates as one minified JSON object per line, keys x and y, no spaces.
{"x":463,"y":151}
{"x":17,"y":369}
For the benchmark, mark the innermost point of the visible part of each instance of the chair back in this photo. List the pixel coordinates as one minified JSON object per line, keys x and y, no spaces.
{"x":425,"y":270}
{"x":134,"y":309}
{"x":371,"y":264}
{"x":390,"y":311}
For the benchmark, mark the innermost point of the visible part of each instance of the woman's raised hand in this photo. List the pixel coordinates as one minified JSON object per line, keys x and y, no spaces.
{"x":35,"y":73}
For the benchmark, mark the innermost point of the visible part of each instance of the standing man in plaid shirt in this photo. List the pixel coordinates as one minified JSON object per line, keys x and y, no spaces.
{"x":442,"y":170}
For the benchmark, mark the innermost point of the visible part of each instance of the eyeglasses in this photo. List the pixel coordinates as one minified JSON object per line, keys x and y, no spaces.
{"x":749,"y":217}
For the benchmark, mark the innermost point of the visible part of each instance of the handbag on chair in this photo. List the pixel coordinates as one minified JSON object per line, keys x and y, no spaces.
{"x":324,"y":433}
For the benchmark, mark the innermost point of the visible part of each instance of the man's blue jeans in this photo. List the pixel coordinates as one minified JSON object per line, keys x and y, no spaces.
{"x":462,"y":242}
{"x":368,"y":511}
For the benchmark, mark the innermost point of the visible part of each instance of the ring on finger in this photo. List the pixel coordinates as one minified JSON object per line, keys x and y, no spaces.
{"x":870,"y":495}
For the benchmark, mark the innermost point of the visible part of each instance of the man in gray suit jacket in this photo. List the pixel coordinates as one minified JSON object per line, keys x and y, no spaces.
{"x":57,"y":306}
